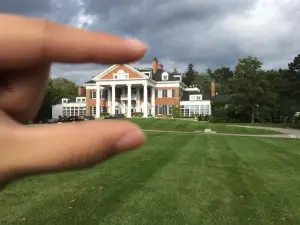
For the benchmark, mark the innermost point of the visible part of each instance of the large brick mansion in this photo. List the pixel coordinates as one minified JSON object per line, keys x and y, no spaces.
{"x":127,"y":90}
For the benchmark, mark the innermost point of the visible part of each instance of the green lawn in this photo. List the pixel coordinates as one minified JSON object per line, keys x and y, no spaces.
{"x":173,"y":179}
{"x":185,"y":125}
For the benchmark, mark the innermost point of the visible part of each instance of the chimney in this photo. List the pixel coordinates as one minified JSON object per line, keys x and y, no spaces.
{"x":213,"y":89}
{"x":154,"y":65}
{"x":80,"y":91}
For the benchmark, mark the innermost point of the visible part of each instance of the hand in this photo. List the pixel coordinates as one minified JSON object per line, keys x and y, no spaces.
{"x":28,"y":47}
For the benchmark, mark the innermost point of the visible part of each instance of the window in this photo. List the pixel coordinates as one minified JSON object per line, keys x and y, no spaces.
{"x":159,"y":110}
{"x":195,"y":97}
{"x":170,"y":109}
{"x":194,"y":110}
{"x":159,"y":94}
{"x":165,"y":76}
{"x":170,"y":93}
{"x":80,"y":99}
{"x":103,"y":109}
{"x":93,"y":94}
{"x":103,"y":93}
{"x":121,"y":75}
{"x":92,"y":110}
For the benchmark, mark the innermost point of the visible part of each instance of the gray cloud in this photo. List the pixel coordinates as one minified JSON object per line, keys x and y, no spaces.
{"x":207,"y":33}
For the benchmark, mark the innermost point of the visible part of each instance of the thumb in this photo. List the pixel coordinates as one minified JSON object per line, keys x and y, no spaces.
{"x":60,"y":147}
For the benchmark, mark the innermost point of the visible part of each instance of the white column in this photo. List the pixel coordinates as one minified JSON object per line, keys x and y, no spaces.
{"x":123,"y":109}
{"x":153,"y":101}
{"x":145,"y":109}
{"x":98,"y":101}
{"x":138,"y":100}
{"x":113,"y":99}
{"x":129,"y":100}
{"x":109,"y":100}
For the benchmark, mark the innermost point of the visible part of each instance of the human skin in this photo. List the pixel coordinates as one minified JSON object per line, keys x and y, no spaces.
{"x":28,"y":48}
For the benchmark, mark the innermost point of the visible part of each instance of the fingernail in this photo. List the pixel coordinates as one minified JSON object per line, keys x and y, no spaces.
{"x":130,"y":141}
{"x":134,"y":43}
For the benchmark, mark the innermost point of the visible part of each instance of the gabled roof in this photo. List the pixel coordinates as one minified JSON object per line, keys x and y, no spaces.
{"x":155,"y":76}
{"x":111,"y":68}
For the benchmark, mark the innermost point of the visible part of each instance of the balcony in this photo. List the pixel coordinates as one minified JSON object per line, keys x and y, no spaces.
{"x":125,"y":97}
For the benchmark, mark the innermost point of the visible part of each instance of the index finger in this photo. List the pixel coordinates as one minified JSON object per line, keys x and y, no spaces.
{"x":27,"y":41}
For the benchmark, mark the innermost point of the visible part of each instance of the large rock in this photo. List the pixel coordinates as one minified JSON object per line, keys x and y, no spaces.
{"x":209,"y":131}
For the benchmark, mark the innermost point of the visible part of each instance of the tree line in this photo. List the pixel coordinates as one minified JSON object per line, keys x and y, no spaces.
{"x":253,"y":94}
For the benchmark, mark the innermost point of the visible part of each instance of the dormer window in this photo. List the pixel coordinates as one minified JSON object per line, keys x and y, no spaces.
{"x":165,"y":76}
{"x":195,"y":97}
{"x":65,"y":100}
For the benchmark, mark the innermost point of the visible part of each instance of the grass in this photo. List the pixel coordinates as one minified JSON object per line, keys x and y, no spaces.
{"x":185,"y":125}
{"x":173,"y":179}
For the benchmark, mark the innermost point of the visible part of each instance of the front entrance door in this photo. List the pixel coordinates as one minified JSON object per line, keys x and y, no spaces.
{"x":117,"y":110}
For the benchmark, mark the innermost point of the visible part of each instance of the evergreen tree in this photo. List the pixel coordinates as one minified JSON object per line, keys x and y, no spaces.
{"x":189,"y":75}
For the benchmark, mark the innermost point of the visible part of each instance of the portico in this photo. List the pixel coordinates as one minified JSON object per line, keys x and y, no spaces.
{"x":128,"y":99}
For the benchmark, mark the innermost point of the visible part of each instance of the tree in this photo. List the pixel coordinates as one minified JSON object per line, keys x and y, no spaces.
{"x":189,"y":75}
{"x":202,"y":81}
{"x":252,"y":92}
{"x":289,"y":89}
{"x":56,"y":90}
{"x":221,"y":77}
{"x":295,"y":64}
{"x":175,"y":71}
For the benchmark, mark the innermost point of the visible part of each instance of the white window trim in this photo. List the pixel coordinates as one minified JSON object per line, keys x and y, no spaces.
{"x":194,"y":97}
{"x":168,"y":109}
{"x":93,"y":94}
{"x":121,"y":75}
{"x":169,"y":93}
{"x":159,"y":107}
{"x":159,"y":93}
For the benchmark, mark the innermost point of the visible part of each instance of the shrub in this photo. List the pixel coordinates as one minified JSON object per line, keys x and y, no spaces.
{"x":137,"y":114}
{"x":104,"y":114}
{"x":177,"y":112}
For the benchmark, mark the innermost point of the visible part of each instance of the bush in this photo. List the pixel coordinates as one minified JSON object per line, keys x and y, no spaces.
{"x":177,"y":112}
{"x":137,"y":114}
{"x":203,"y":118}
{"x":104,"y":114}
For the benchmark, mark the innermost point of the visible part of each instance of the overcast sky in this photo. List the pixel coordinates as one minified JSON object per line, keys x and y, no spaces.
{"x":207,"y":33}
